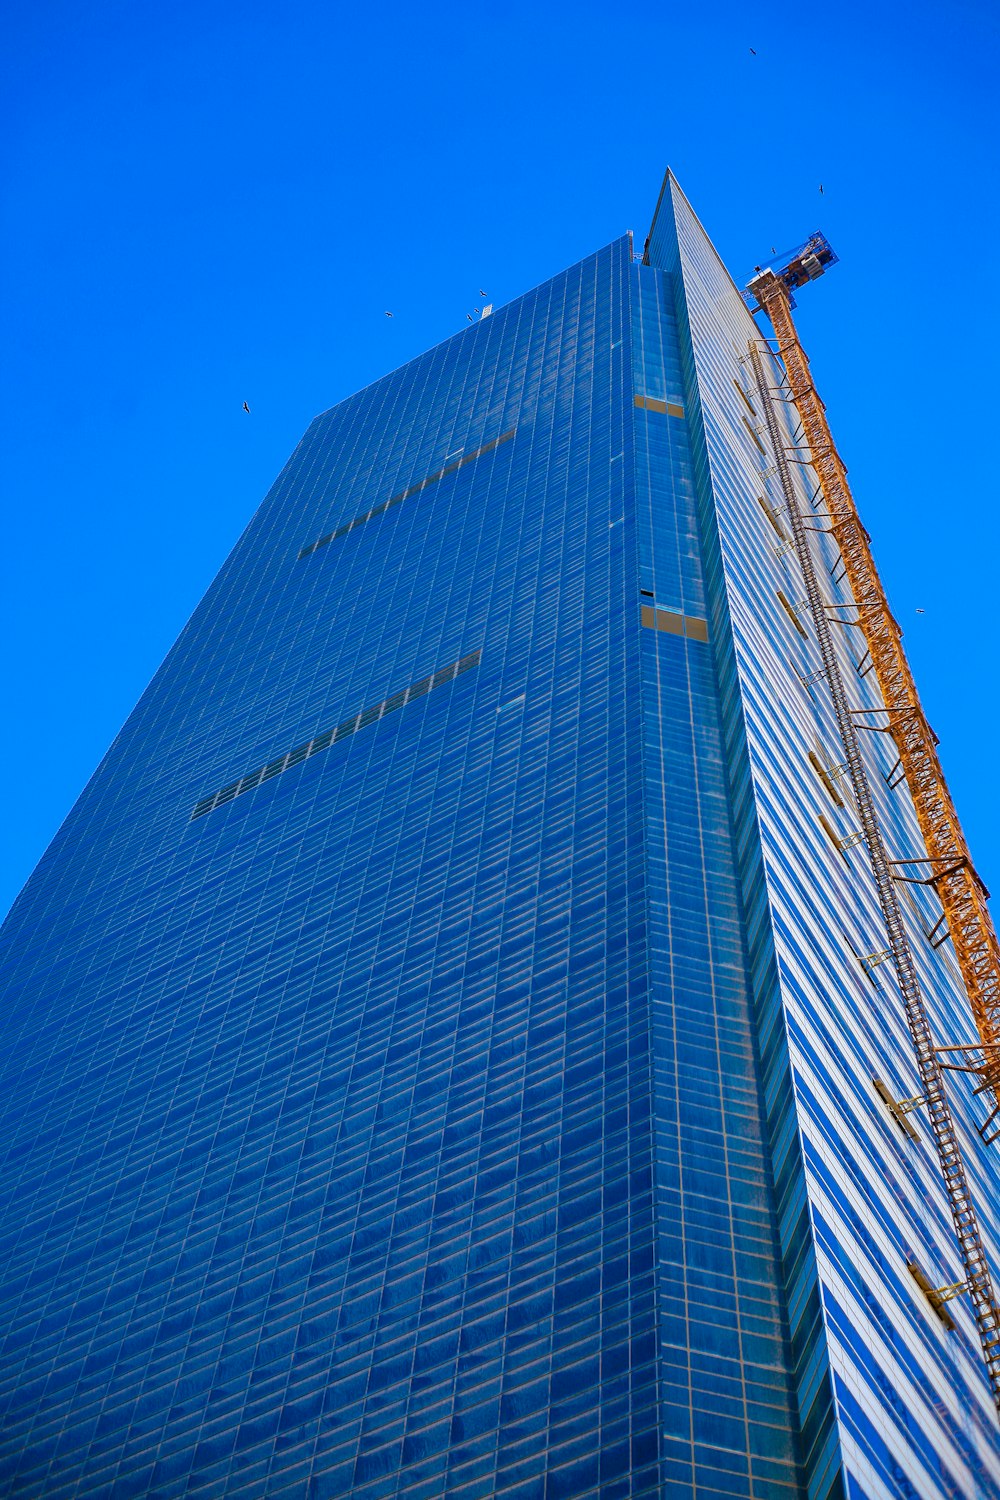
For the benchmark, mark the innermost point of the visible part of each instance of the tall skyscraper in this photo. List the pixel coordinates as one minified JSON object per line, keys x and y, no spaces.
{"x":447,"y":1049}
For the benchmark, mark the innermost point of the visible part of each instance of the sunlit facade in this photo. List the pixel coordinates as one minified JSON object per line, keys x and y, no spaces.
{"x":438,"y":1054}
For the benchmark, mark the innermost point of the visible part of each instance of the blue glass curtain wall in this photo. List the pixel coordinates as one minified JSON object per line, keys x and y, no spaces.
{"x":326,"y":1116}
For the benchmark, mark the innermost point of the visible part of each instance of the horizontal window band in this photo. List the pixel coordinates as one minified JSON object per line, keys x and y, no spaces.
{"x":414,"y":489}
{"x":692,"y":627}
{"x":653,"y":403}
{"x":331,"y":736}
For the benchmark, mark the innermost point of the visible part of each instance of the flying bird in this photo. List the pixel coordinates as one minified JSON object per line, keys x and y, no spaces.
{"x":470,"y":317}
{"x":245,"y":407}
{"x":388,"y":314}
{"x":920,"y":611}
{"x":481,"y":292}
{"x":821,"y":187}
{"x":752,"y":52}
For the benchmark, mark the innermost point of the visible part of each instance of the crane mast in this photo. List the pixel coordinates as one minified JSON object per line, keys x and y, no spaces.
{"x":951,"y":873}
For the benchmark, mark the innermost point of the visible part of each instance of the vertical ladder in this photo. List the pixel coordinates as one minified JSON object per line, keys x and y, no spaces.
{"x":977,"y":1271}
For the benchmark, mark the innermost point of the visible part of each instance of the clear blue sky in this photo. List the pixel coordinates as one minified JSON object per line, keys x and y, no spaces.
{"x":207,"y":204}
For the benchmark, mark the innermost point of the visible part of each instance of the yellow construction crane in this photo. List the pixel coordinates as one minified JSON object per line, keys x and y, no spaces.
{"x":951,"y":873}
{"x":947,"y":860}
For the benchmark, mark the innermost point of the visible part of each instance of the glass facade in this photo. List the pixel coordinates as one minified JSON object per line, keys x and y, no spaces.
{"x":888,"y":1398}
{"x":437,"y":1057}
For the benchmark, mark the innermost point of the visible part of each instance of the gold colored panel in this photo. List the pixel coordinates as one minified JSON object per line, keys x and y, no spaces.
{"x":825,"y":778}
{"x":832,"y":835}
{"x":756,"y":439}
{"x":792,"y":613}
{"x":746,"y":398}
{"x":774,"y":518}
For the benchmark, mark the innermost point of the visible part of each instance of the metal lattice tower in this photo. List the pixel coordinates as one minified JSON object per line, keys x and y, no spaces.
{"x":978,"y":1279}
{"x":951,"y":874}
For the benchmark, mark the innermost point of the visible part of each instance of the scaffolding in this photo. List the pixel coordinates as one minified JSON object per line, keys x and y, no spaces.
{"x":951,"y":874}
